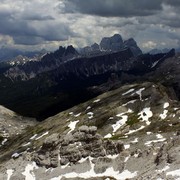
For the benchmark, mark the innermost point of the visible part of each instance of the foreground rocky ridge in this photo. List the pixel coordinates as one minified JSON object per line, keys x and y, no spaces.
{"x":131,"y":132}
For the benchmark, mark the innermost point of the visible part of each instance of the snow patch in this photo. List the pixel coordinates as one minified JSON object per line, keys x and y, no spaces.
{"x":136,"y":130}
{"x":96,"y":101}
{"x":154,"y":64}
{"x":130,"y":102}
{"x":108,"y":136}
{"x":91,"y":173}
{"x":77,"y":115}
{"x":4,"y":141}
{"x":120,"y":123}
{"x":159,"y":136}
{"x":127,"y":158}
{"x":139,"y":92}
{"x":135,"y":140}
{"x":9,"y":173}
{"x":46,"y":133}
{"x":126,"y":146}
{"x":164,"y":115}
{"x":145,"y":114}
{"x":27,"y":144}
{"x":148,"y":133}
{"x":112,"y":156}
{"x":166,"y":105}
{"x":129,"y":91}
{"x":89,"y":107}
{"x":29,"y":175}
{"x":33,"y":137}
{"x":164,"y":169}
{"x":15,"y":155}
{"x":90,"y":115}
{"x":72,"y":125}
{"x":148,"y":143}
{"x":174,"y":173}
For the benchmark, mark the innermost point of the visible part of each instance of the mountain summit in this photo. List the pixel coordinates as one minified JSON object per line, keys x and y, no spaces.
{"x":112,"y":44}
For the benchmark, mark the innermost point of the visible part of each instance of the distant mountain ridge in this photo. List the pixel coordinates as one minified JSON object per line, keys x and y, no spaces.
{"x":64,"y":78}
{"x":114,"y":43}
{"x":7,"y":54}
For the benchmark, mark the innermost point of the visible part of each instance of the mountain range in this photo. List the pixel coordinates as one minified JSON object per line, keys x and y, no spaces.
{"x":104,"y":112}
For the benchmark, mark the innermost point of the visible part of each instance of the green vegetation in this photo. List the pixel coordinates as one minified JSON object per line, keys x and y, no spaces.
{"x":133,"y":119}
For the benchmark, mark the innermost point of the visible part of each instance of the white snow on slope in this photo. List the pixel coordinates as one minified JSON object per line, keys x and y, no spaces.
{"x":164,"y":115}
{"x":89,"y":107}
{"x":91,"y":174}
{"x":33,"y":137}
{"x":135,"y":141}
{"x":130,"y":102}
{"x":148,"y":143}
{"x":15,"y":155}
{"x":4,"y":141}
{"x":131,"y":90}
{"x":97,"y":100}
{"x":29,"y":175}
{"x":166,"y":105}
{"x":174,"y":173}
{"x":126,"y":146}
{"x":136,"y":130}
{"x":145,"y":114}
{"x":90,"y":115}
{"x":77,"y":115}
{"x":164,"y":169}
{"x":119,"y":123}
{"x":154,"y":64}
{"x":27,"y":144}
{"x":159,"y":136}
{"x":108,"y":136}
{"x":72,"y":125}
{"x":9,"y":173}
{"x":46,"y":133}
{"x":139,"y":92}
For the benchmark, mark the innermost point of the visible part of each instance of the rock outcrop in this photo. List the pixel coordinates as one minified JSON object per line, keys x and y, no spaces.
{"x":72,"y":147}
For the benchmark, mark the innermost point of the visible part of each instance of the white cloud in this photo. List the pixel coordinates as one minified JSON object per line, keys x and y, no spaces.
{"x":46,"y":24}
{"x":149,"y":45}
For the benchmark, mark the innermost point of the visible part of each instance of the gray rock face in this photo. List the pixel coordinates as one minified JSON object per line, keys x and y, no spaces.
{"x":72,"y":147}
{"x":86,"y":142}
{"x":131,"y":43}
{"x":169,"y":153}
{"x":48,"y":154}
{"x":113,"y":43}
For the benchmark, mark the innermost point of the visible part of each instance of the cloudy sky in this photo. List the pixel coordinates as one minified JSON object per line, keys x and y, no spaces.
{"x":37,"y":24}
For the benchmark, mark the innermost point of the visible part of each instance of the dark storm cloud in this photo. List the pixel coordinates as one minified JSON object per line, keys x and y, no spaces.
{"x":173,"y":2}
{"x":114,"y":8}
{"x":24,"y":40}
{"x":23,"y":32}
{"x":38,"y":17}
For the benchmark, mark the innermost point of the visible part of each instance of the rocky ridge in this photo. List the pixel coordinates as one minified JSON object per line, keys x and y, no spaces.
{"x":131,"y":132}
{"x":111,"y":44}
{"x":12,"y":124}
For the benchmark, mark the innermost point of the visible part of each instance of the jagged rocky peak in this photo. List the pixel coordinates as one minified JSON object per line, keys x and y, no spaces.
{"x":70,"y":50}
{"x":113,"y":43}
{"x":132,"y":44}
{"x":95,"y":47}
{"x":63,"y":51}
